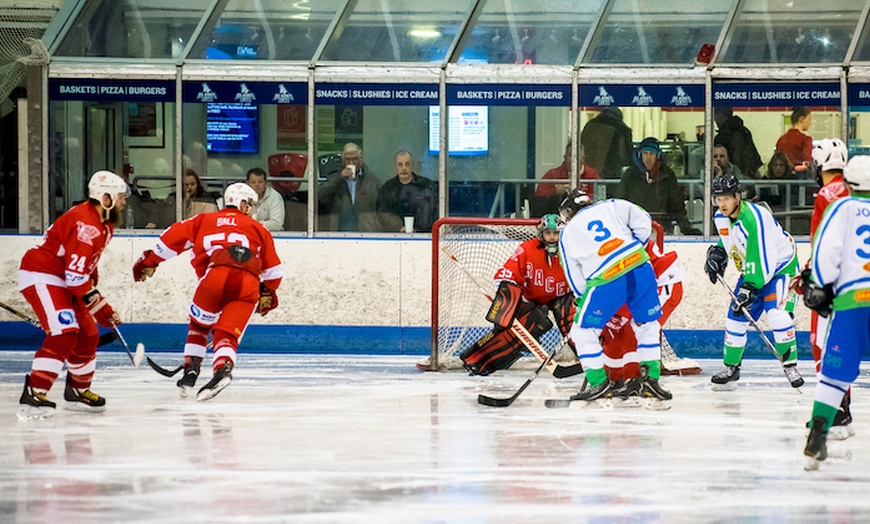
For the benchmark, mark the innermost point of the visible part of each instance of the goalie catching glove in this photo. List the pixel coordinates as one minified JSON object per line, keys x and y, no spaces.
{"x":100,"y":309}
{"x":146,"y":266}
{"x":717,"y":261}
{"x":268,"y":300}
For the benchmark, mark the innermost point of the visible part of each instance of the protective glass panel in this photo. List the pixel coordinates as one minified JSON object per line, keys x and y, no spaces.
{"x":667,"y":183}
{"x":133,"y":28}
{"x":375,"y":170}
{"x":792,"y":31}
{"x":267,"y":30}
{"x":862,"y":51}
{"x":397,"y":31}
{"x":547,"y":32}
{"x":663,"y":32}
{"x":133,"y":139}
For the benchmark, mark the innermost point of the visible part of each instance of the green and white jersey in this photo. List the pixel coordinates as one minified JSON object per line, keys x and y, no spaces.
{"x":758,"y":245}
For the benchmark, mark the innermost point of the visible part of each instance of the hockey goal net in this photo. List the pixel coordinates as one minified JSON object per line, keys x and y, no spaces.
{"x":466,"y":253}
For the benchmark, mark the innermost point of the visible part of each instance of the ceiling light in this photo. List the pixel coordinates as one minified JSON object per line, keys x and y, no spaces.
{"x":425,"y":32}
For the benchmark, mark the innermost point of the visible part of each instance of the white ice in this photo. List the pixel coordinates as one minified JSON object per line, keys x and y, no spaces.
{"x":370,"y":439}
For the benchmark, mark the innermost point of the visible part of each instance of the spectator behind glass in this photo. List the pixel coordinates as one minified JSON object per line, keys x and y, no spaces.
{"x":779,"y":168}
{"x":196,"y":200}
{"x":607,"y":141}
{"x":652,"y":185}
{"x":349,"y":197}
{"x":270,"y":203}
{"x":722,"y":163}
{"x":795,"y":143}
{"x":737,"y":139}
{"x":407,"y":195}
{"x":561,"y":172}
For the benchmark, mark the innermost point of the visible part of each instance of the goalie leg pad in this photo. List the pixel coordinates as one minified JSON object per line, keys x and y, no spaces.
{"x":499,"y":351}
{"x":504,"y":306}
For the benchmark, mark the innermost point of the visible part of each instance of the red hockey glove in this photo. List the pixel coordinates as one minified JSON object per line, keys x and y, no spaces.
{"x":268,"y":300}
{"x":146,"y":265}
{"x":100,"y":309}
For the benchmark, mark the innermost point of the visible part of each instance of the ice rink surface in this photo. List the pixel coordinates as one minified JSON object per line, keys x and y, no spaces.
{"x":370,"y":439}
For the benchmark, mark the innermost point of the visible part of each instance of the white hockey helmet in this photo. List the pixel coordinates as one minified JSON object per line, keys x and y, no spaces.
{"x":857,"y":173}
{"x":830,"y":154}
{"x":238,"y":193}
{"x":106,"y":183}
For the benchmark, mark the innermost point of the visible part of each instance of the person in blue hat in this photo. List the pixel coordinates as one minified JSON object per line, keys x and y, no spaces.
{"x":652,"y":185}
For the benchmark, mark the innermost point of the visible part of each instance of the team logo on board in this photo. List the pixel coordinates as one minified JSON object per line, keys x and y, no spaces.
{"x":603,"y":98}
{"x":681,"y":98}
{"x":642,"y":98}
{"x":245,"y":95}
{"x":283,"y":96}
{"x":206,"y":94}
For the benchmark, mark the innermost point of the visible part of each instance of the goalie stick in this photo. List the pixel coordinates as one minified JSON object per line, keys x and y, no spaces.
{"x":755,"y":325}
{"x":105,"y":338}
{"x":505,"y":402}
{"x":520,"y":331}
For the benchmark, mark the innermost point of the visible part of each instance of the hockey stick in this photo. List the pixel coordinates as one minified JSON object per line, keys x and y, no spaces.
{"x":520,"y":331}
{"x":140,"y":348}
{"x":504,"y":402}
{"x":170,"y":372}
{"x":105,"y":338}
{"x":755,"y":325}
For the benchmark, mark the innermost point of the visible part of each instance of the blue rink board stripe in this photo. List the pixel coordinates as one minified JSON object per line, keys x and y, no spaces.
{"x":356,"y":340}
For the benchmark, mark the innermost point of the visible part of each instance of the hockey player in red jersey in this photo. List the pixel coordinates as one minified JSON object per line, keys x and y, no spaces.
{"x":238,"y":269}
{"x":59,"y":279}
{"x":529,"y":282}
{"x":829,"y":161}
{"x":618,"y":338}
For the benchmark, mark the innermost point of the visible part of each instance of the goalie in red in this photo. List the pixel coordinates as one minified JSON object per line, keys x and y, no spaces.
{"x":59,"y":279}
{"x":530,"y":283}
{"x":238,"y":269}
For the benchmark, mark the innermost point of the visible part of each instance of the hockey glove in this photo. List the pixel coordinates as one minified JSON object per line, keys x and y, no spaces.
{"x":504,"y":306}
{"x":146,"y":266}
{"x":268,"y":300}
{"x":818,"y":298}
{"x":745,"y":297}
{"x":717,"y":261}
{"x":102,"y":312}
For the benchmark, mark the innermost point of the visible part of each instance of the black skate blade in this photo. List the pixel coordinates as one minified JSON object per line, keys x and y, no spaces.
{"x":557,"y":403}
{"x":495,"y":402}
{"x":163,"y":371}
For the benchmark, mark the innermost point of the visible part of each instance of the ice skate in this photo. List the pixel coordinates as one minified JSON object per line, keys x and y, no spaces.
{"x":841,"y":428}
{"x":816,"y":449}
{"x":82,"y":399}
{"x":222,"y":378}
{"x":627,"y":393}
{"x":188,"y":379}
{"x":654,"y":395}
{"x":34,"y":403}
{"x":589,"y":393}
{"x":726,"y":380}
{"x":793,"y":375}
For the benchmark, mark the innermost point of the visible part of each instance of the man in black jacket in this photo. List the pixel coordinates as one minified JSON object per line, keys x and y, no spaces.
{"x":737,"y":139}
{"x":407,"y":195}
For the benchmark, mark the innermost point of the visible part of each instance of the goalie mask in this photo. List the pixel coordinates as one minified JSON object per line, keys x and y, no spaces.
{"x":106,"y":183}
{"x":574,"y":200}
{"x":238,"y":193}
{"x":550,"y":222}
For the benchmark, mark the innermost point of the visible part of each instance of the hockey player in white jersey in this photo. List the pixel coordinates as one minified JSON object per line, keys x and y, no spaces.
{"x":606,"y":265}
{"x":840,"y":290}
{"x":765,"y":256}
